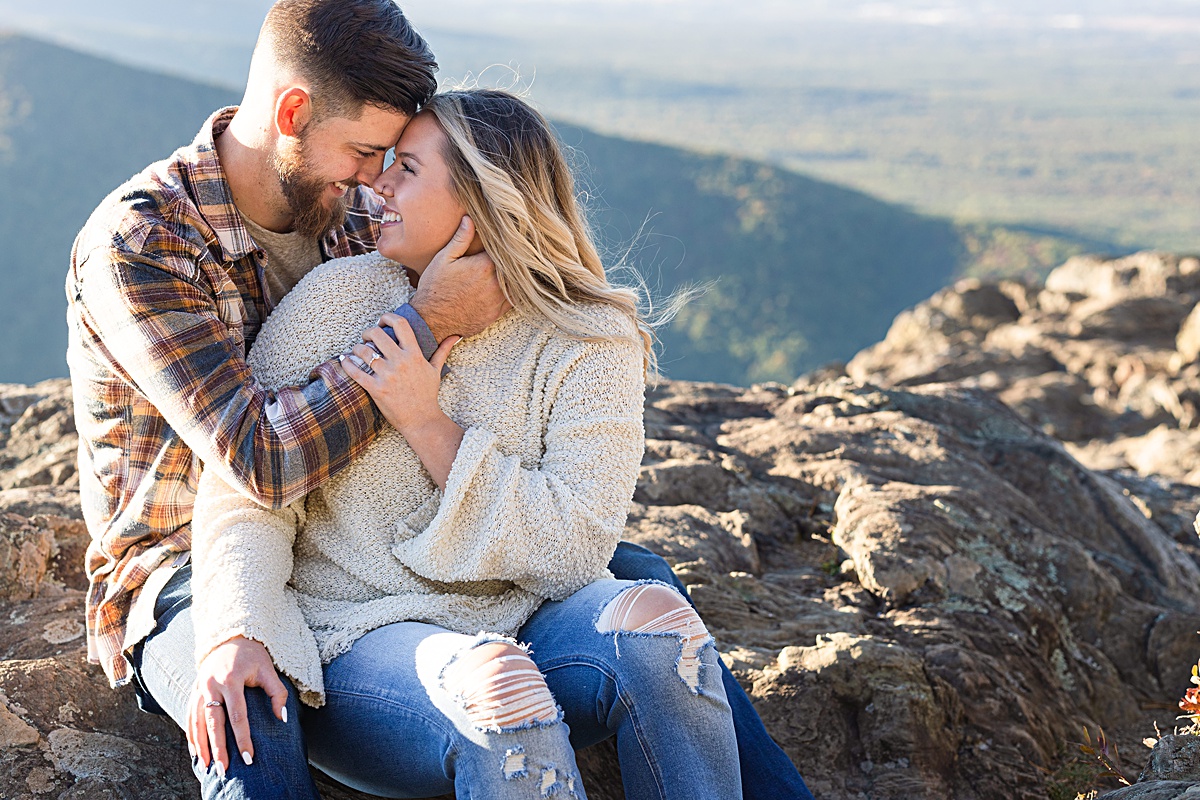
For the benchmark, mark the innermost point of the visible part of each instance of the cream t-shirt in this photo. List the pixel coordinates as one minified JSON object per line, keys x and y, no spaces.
{"x":290,"y":256}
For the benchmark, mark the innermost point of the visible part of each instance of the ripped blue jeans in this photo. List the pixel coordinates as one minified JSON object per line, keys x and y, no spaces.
{"x":405,"y":715}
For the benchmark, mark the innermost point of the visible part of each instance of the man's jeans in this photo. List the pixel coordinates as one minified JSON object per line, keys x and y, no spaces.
{"x":356,"y":736}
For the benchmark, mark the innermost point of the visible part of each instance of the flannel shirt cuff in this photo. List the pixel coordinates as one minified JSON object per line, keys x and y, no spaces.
{"x":424,"y":336}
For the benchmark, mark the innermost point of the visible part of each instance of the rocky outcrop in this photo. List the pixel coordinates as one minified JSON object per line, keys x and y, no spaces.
{"x":1102,"y":356}
{"x":1172,"y":773}
{"x":926,"y":593}
{"x":37,"y":435}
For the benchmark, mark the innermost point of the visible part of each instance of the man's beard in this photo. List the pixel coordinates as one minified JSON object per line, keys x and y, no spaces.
{"x":305,"y":192}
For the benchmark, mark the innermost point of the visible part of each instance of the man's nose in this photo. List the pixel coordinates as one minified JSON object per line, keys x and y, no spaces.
{"x":369,"y":173}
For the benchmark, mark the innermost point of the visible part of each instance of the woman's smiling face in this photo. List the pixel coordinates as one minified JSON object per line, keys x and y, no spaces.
{"x":420,"y":212}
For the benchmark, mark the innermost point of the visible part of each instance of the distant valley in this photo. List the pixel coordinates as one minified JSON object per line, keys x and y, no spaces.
{"x":806,"y":272}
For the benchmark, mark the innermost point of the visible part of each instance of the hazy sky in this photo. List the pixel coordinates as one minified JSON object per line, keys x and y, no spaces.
{"x":212,"y":41}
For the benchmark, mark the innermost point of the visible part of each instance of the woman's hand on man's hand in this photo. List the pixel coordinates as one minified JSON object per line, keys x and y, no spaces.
{"x":405,"y":388}
{"x":404,"y":385}
{"x":219,"y":693}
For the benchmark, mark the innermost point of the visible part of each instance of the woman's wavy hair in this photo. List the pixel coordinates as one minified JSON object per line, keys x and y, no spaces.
{"x":509,"y":173}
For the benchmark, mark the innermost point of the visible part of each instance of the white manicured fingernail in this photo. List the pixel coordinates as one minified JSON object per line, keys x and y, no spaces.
{"x":285,"y":715}
{"x":220,"y":769}
{"x":191,"y":750}
{"x":246,"y":757}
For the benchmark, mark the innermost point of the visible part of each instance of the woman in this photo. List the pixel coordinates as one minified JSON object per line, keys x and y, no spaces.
{"x":391,"y":596}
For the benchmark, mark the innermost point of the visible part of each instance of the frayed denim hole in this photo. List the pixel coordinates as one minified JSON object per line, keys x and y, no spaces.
{"x":463,"y":702}
{"x":702,"y":669}
{"x":513,"y":763}
{"x":642,"y":582}
{"x":480,"y":638}
{"x":550,"y":784}
{"x":553,"y":783}
{"x":532,"y":725}
{"x":680,"y":636}
{"x":604,"y":607}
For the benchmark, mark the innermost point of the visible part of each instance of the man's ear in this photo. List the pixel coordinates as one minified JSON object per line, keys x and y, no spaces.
{"x":293,"y":110}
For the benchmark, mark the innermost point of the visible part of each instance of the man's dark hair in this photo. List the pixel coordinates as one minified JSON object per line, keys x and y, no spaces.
{"x":353,"y":53}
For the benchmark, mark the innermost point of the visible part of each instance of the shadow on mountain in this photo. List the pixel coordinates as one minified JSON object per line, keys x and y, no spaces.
{"x":806,"y":272}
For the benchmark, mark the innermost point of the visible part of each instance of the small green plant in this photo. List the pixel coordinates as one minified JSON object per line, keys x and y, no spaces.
{"x":1072,"y":781}
{"x":1086,"y":773}
{"x":1106,"y":754}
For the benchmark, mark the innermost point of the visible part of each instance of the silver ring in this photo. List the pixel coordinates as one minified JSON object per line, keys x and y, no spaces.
{"x":374,"y":357}
{"x":213,"y":704}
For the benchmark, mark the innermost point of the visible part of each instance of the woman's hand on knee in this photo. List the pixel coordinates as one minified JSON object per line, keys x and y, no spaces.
{"x":219,"y":694}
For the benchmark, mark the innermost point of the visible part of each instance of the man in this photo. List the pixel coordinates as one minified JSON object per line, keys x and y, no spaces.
{"x":170,"y":281}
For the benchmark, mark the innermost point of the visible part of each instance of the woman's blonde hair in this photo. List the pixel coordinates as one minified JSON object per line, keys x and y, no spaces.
{"x":508,"y":172}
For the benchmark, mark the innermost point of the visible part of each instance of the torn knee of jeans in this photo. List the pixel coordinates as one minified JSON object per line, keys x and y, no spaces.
{"x":500,"y":688}
{"x":655,"y":609}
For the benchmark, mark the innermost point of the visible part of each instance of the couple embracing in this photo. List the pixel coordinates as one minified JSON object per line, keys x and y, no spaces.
{"x":357,"y":446}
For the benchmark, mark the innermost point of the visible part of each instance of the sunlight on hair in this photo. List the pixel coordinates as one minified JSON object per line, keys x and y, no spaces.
{"x":510,"y":174}
{"x":504,"y":77}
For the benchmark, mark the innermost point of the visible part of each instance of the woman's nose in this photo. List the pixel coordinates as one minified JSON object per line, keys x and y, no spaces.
{"x":382,"y":186}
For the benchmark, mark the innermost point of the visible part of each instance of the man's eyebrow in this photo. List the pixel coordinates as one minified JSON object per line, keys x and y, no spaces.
{"x":365,"y":146}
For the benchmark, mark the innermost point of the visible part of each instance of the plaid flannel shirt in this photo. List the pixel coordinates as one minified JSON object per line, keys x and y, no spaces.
{"x":166,"y":295}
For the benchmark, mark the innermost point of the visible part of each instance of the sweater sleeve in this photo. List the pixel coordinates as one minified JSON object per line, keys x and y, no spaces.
{"x":550,"y":529}
{"x":242,"y":552}
{"x":242,"y":562}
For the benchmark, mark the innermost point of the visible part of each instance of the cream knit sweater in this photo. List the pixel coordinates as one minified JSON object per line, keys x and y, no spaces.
{"x":534,"y":505}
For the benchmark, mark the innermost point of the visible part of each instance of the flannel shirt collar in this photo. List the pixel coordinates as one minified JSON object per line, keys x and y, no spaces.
{"x":214,"y":200}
